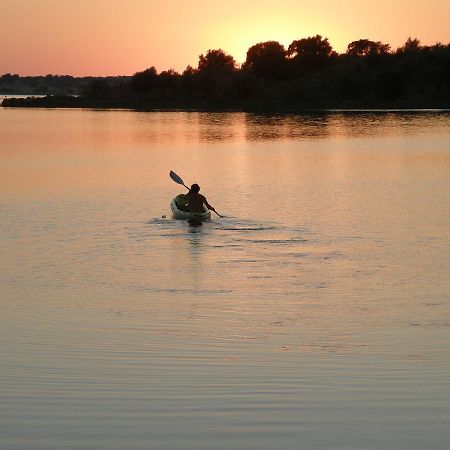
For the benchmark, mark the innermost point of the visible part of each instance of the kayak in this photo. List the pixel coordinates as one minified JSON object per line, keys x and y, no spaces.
{"x":178,"y":206}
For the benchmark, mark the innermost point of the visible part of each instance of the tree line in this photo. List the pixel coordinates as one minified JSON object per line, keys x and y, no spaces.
{"x":306,"y":74}
{"x":14,"y":84}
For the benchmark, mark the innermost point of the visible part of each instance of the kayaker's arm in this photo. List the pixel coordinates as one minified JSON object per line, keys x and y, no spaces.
{"x":205,"y":202}
{"x":209,"y":206}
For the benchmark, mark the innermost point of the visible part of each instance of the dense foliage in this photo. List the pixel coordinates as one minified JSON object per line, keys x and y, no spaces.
{"x":13,"y":84}
{"x":308,"y":74}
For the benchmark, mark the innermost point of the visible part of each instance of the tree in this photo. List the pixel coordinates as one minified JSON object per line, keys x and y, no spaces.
{"x":189,"y":71}
{"x":310,"y":53}
{"x":97,"y":89}
{"x":169,"y":82}
{"x":245,"y":84}
{"x":390,"y":83}
{"x":144,"y":81}
{"x":187,"y":81}
{"x":216,"y":62}
{"x":366,"y":47}
{"x":412,"y":44}
{"x":8,"y":77}
{"x":267,"y":60}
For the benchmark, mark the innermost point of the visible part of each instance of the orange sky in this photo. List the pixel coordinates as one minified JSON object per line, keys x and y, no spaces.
{"x":111,"y":37}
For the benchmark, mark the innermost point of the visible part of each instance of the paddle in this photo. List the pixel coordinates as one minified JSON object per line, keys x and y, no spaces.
{"x":179,"y":180}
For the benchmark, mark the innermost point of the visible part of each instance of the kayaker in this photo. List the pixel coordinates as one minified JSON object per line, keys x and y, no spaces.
{"x":196,"y":200}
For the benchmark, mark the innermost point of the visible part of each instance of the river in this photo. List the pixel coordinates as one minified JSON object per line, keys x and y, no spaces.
{"x":315,"y":314}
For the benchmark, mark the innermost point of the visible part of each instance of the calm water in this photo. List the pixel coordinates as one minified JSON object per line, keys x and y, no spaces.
{"x":315,"y":315}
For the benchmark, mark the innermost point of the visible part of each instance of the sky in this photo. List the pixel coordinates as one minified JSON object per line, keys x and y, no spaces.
{"x":112,"y":37}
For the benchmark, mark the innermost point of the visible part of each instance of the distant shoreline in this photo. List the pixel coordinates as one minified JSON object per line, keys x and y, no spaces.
{"x":307,"y":76}
{"x":78,"y":102}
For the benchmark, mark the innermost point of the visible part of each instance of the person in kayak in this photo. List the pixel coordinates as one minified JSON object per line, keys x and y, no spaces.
{"x":196,"y":200}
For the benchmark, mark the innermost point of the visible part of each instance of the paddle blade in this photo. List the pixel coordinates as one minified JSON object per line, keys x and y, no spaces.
{"x":176,"y":178}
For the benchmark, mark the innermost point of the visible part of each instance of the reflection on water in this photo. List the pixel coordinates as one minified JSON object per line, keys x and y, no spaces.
{"x":262,"y":127}
{"x":317,"y":311}
{"x":273,"y":127}
{"x":339,"y":124}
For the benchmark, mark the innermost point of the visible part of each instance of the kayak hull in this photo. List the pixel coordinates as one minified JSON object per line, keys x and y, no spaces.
{"x":176,"y":206}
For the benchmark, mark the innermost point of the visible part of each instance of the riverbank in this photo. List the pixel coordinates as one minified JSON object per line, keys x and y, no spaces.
{"x":69,"y":101}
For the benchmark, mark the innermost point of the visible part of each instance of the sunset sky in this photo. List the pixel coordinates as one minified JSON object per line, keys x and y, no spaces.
{"x":111,"y":37}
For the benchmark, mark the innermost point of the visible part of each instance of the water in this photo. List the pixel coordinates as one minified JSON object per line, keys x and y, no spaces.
{"x":316,"y":314}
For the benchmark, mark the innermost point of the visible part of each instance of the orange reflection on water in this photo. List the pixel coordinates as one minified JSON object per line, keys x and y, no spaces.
{"x":53,"y":150}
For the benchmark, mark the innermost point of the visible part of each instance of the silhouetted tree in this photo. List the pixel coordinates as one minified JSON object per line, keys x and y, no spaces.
{"x":412,"y":45}
{"x":97,"y":89}
{"x":267,"y":60}
{"x":169,"y":83}
{"x":187,"y":81}
{"x":446,"y":71}
{"x":144,"y":81}
{"x":10,"y":78}
{"x":189,"y":71}
{"x":214,"y":69}
{"x":168,"y":78}
{"x":390,"y":83}
{"x":216,"y":62}
{"x":309,"y":74}
{"x":310,"y":53}
{"x":366,"y":47}
{"x":245,"y":85}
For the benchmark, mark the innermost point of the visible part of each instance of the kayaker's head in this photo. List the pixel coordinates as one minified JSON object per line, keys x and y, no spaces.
{"x":195,"y":188}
